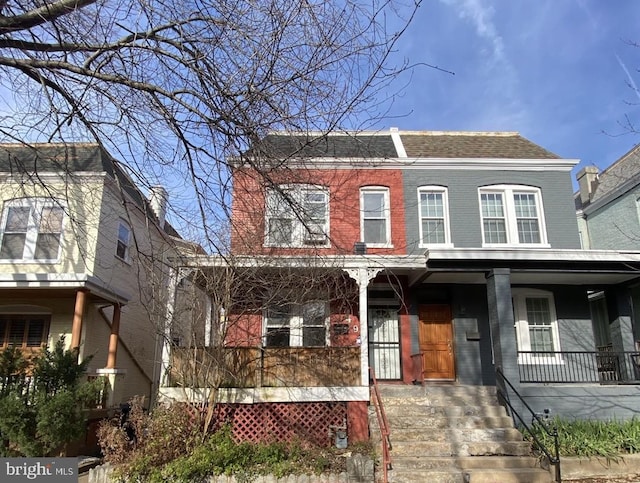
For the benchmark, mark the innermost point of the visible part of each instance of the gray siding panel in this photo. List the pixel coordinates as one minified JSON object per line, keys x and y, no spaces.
{"x":616,"y":226}
{"x":464,"y":210}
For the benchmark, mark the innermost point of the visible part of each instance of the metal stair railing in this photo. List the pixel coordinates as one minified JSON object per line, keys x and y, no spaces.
{"x":383,"y":423}
{"x":552,"y":454}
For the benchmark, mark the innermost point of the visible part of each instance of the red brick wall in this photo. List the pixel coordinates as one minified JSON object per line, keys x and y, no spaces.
{"x":247,"y":230}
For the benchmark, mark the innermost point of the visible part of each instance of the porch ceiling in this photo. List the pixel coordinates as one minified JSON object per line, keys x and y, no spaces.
{"x":592,"y":279}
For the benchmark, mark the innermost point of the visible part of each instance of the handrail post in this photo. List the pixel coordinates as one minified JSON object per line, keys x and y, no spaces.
{"x":504,"y":396}
{"x":383,"y":423}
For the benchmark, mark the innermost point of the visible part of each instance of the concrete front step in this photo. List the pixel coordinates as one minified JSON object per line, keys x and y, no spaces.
{"x":454,"y":434}
{"x":465,"y":462}
{"x":476,"y":448}
{"x":514,"y":475}
{"x":441,"y":400}
{"x":389,"y":391}
{"x":444,"y":411}
{"x":399,"y":422}
{"x":528,"y":475}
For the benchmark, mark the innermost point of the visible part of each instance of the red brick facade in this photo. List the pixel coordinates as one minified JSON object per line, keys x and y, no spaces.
{"x":248,"y":225}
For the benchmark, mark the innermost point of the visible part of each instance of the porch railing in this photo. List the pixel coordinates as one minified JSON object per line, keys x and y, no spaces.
{"x":383,"y":424}
{"x":247,"y":367}
{"x":598,"y":367}
{"x":505,"y":392}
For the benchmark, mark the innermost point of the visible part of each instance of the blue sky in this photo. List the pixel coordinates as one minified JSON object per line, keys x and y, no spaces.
{"x":557,"y":71}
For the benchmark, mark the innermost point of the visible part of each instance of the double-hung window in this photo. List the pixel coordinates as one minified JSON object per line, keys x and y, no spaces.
{"x":375,"y":216}
{"x":434,"y":217}
{"x":536,"y":326}
{"x":123,"y":241}
{"x":512,"y":215}
{"x":31,"y":230}
{"x":296,"y":325}
{"x":297,"y":216}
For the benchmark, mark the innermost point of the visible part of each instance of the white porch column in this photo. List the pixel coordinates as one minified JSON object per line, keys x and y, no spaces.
{"x":362,"y":277}
{"x":165,"y":358}
{"x":207,"y":320}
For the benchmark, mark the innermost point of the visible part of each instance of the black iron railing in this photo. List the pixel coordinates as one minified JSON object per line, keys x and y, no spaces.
{"x":600,"y":367}
{"x":506,"y":391}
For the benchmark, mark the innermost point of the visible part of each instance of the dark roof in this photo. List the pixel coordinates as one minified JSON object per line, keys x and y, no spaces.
{"x":472,"y":145}
{"x":417,"y":144}
{"x":43,"y":158}
{"x":622,"y":171}
{"x":364,"y":145}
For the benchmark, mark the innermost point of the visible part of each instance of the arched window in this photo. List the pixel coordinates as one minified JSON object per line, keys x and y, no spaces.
{"x":512,"y":215}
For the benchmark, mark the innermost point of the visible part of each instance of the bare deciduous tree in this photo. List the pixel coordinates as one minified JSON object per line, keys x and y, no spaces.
{"x":175,"y":89}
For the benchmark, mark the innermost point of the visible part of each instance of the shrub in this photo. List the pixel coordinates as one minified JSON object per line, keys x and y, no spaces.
{"x":42,"y":401}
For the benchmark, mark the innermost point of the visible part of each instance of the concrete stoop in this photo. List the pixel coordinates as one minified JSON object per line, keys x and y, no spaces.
{"x":454,"y":434}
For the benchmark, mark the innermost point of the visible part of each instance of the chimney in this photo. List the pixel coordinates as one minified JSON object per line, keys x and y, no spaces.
{"x":588,"y":182}
{"x":158,"y":198}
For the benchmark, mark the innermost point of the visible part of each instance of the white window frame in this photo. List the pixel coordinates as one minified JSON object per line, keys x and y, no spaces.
{"x":520,"y":296}
{"x":386,"y":215}
{"x":443,"y":191}
{"x":35,"y":205}
{"x":296,"y":325}
{"x":127,"y":255}
{"x":301,"y":236}
{"x":511,"y":220}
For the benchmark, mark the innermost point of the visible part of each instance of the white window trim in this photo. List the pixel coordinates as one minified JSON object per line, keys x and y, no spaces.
{"x":387,"y":212}
{"x":445,"y":206}
{"x":127,"y":257}
{"x":299,"y":230}
{"x":35,"y":204}
{"x":521,"y":325}
{"x":507,"y":192}
{"x":296,"y":326}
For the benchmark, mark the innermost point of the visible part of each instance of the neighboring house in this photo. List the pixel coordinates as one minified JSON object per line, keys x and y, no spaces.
{"x":428,"y":256}
{"x":83,"y":256}
{"x":608,"y":209}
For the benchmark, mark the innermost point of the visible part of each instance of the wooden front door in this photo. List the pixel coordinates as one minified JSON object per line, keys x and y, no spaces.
{"x":435,"y":334}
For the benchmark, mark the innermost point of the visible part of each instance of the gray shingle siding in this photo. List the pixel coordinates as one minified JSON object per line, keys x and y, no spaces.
{"x":464,"y":210}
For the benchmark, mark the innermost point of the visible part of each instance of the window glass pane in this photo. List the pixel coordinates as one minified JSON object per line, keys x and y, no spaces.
{"x":525,"y":204}
{"x":12,"y":246}
{"x":280,"y":231}
{"x":35,"y":334}
{"x":541,"y":339}
{"x":375,"y":231}
{"x":492,"y":206}
{"x":47,"y":246}
{"x":528,"y":231}
{"x":314,"y":313}
{"x":373,"y":205}
{"x":433,"y":231}
{"x":51,"y":220}
{"x":495,"y":231}
{"x":3,"y":332}
{"x":16,"y":332}
{"x":123,"y":233}
{"x":18,"y":218}
{"x":277,"y":337}
{"x":431,"y":205}
{"x":313,"y":336}
{"x":538,"y":312}
{"x":121,"y":250}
